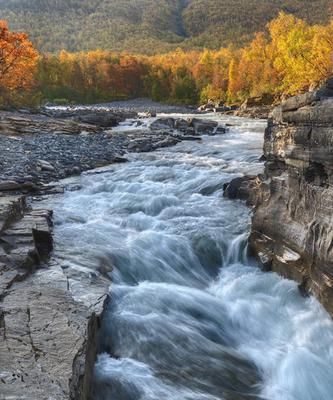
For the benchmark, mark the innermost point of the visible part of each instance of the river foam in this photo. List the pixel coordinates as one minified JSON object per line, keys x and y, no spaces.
{"x":190,"y":316}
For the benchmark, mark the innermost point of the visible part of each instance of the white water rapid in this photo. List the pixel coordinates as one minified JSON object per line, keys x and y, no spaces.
{"x":190,"y":317}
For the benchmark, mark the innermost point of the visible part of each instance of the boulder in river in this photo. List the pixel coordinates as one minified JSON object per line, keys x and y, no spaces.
{"x":148,"y":114}
{"x":192,"y":126}
{"x":163,"y":123}
{"x":205,"y":127}
{"x":220,"y":130}
{"x":181,"y":124}
{"x":243,"y":188}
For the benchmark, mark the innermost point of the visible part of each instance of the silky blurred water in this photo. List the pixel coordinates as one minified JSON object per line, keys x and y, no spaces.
{"x":190,"y":317}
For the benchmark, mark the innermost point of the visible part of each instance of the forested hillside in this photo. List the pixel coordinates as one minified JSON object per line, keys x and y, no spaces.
{"x":149,"y":26}
{"x":290,"y":58}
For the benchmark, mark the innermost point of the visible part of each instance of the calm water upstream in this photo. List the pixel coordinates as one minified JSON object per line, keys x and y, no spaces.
{"x":190,"y":316}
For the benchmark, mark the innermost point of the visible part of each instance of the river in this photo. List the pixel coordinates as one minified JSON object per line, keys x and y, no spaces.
{"x":190,"y":316}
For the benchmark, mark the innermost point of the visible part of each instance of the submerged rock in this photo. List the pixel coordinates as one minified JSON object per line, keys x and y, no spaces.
{"x":206,"y":127}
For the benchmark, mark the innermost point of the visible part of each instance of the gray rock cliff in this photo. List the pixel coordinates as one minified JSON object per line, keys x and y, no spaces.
{"x":292,"y":230}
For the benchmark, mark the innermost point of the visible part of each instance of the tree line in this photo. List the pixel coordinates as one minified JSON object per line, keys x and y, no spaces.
{"x":290,"y":57}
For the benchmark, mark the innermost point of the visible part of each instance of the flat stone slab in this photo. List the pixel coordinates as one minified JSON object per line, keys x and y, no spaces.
{"x":48,"y":323}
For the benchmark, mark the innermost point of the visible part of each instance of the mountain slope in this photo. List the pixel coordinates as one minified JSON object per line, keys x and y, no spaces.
{"x":149,"y":26}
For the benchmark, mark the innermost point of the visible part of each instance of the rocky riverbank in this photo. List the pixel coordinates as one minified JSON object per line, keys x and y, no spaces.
{"x":257,"y":107}
{"x":260,"y":111}
{"x":292,"y":230}
{"x":49,"y":313}
{"x":38,"y":149}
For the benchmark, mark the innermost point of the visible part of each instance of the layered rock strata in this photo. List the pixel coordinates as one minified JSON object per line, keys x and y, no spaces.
{"x":48,"y":336}
{"x":292,"y":231}
{"x":103,"y":118}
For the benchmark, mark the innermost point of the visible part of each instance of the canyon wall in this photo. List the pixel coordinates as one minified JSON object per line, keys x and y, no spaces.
{"x":292,"y":231}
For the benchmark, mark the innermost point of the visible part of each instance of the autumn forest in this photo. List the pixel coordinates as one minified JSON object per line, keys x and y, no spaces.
{"x":289,"y":57}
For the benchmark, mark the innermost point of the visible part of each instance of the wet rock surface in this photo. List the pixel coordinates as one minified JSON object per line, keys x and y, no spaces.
{"x":292,"y":230}
{"x":191,"y":126}
{"x":243,"y":188}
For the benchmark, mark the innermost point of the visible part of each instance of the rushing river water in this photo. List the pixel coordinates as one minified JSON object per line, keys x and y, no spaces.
{"x":190,"y":316}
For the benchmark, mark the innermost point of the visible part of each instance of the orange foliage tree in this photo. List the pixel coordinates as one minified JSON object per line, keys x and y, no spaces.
{"x":17,"y":62}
